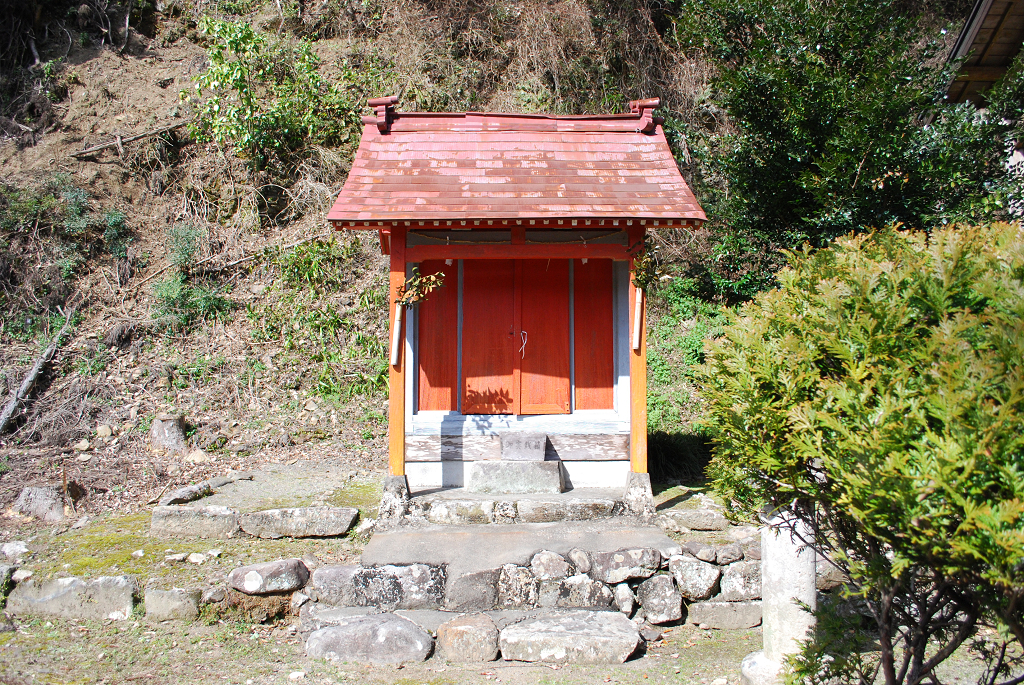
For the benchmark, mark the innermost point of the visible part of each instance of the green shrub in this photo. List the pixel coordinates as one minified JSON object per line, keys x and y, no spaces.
{"x":46,"y":233}
{"x":183,"y":244}
{"x":180,"y":303}
{"x":116,"y":236}
{"x":267,"y":99}
{"x":318,"y":264}
{"x":880,"y":392}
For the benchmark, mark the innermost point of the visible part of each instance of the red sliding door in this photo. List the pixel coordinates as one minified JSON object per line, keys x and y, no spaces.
{"x":516,"y":337}
{"x":544,"y":336}
{"x":438,"y":320}
{"x":489,"y":336}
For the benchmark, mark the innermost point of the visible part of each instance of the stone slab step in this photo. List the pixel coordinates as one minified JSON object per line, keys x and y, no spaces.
{"x":467,"y":549}
{"x":459,"y":506}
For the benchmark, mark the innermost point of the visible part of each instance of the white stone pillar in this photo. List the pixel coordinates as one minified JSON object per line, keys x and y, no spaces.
{"x":788,"y":578}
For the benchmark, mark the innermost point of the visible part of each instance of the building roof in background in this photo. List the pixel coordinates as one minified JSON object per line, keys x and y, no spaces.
{"x":418,"y":166}
{"x":990,"y":39}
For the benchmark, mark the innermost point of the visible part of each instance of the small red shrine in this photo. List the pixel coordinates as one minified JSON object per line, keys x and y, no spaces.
{"x":533,"y":221}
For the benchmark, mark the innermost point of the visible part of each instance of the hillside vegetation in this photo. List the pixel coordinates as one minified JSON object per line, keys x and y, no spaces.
{"x":198,"y":272}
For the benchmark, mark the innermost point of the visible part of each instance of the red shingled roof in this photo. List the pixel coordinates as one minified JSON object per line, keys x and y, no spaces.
{"x":472,"y":165}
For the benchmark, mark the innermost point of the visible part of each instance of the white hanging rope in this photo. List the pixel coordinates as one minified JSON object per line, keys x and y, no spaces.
{"x":522,"y":350}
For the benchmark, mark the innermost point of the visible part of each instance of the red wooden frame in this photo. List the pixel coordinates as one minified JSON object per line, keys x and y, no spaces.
{"x":594,"y":335}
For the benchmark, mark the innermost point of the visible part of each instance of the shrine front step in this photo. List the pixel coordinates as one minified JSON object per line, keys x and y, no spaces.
{"x":458,"y":506}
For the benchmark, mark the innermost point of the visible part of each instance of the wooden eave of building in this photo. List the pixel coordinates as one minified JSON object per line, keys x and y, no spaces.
{"x":990,"y":40}
{"x":483,"y":171}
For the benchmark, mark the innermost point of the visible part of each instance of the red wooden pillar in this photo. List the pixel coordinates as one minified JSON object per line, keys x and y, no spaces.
{"x":396,"y":372}
{"x":637,"y":372}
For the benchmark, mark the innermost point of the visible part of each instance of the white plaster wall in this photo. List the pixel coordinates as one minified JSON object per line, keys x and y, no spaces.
{"x":580,"y":474}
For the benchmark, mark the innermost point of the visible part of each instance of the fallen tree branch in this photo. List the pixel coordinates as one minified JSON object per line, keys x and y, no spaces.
{"x":118,"y":141}
{"x":33,"y":375}
{"x":218,"y":269}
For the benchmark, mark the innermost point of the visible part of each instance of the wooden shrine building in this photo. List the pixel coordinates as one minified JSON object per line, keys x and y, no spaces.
{"x":533,"y":221}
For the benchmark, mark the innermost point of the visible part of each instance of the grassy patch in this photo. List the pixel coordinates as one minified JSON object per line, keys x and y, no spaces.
{"x":105,"y":547}
{"x":363,"y":495}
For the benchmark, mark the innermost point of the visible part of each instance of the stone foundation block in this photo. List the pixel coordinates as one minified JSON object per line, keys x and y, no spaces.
{"x":474,"y":591}
{"x":517,"y":587}
{"x":334,"y":585}
{"x":417,"y":586}
{"x":583,"y":592}
{"x":177,"y":521}
{"x":380,"y":639}
{"x":725,"y":615}
{"x":515,"y":477}
{"x":623,"y":565}
{"x":582,"y":637}
{"x":694,"y":578}
{"x":299,"y":522}
{"x":468,"y":639}
{"x":106,"y":597}
{"x":176,"y":604}
{"x":741,"y":581}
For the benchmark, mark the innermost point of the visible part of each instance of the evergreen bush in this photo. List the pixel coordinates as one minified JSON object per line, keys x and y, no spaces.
{"x":879,"y":393}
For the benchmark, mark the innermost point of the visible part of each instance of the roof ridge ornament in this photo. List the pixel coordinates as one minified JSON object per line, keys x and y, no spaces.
{"x":644,"y":109}
{"x":384,"y":108}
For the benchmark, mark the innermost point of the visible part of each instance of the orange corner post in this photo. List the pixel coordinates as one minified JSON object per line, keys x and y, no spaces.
{"x":637,"y":372}
{"x":396,"y":369}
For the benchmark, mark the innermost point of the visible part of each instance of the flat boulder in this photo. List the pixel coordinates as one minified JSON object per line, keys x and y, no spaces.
{"x":169,"y":605}
{"x":468,"y":639}
{"x":313,"y":616}
{"x":695,"y":579}
{"x":725,"y":615}
{"x":461,"y":512}
{"x":697,"y":519}
{"x":283,"y":575}
{"x":574,"y":509}
{"x":106,"y":597}
{"x":581,"y":637}
{"x":177,"y":521}
{"x":299,"y":522}
{"x":379,"y":639}
{"x":625,"y":564}
{"x":701,"y":550}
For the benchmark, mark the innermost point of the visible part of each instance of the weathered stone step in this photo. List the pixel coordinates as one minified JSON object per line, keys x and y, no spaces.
{"x":586,"y":637}
{"x":459,"y":506}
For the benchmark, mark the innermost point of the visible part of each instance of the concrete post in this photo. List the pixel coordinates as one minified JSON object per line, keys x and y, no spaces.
{"x":788,"y":578}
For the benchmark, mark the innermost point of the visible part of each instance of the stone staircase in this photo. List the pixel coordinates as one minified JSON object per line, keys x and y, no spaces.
{"x":583,"y":591}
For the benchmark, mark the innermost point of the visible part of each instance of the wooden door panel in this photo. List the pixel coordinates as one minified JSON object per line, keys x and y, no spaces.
{"x":544,"y":360}
{"x":593,"y":328}
{"x":488,"y":336}
{"x":438,"y":341}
